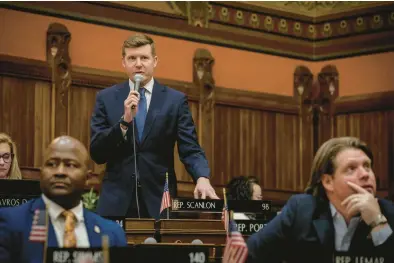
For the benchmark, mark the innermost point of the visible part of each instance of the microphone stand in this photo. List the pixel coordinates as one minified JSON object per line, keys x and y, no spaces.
{"x":136,"y":86}
{"x":136,"y":171}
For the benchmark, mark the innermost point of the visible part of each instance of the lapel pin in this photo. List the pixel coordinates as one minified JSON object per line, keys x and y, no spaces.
{"x":97,"y":229}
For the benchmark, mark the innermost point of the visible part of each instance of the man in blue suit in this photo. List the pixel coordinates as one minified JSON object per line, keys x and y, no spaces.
{"x":338,"y":213}
{"x":152,"y":118}
{"x":63,"y":178}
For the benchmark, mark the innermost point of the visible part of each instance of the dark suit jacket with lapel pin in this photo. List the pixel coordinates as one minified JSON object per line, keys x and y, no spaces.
{"x":304,"y":232}
{"x":16,"y":224}
{"x":168,"y":121}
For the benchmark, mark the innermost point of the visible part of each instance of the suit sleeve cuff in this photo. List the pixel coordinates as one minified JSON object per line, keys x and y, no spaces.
{"x":379,"y":237}
{"x":123,"y":132}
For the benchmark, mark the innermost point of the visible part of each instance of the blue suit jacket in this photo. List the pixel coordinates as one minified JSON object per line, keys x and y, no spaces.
{"x":168,"y":121}
{"x":304,"y":232}
{"x":15,"y":227}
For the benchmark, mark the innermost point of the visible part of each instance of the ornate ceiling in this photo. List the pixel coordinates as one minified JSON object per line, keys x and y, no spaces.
{"x":311,"y":9}
{"x":309,"y":30}
{"x":315,"y":8}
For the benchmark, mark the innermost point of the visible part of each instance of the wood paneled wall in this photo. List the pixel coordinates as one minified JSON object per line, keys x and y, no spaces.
{"x":371,"y":118}
{"x":254,"y":133}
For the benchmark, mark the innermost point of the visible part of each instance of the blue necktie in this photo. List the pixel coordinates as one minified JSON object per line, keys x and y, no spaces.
{"x":141,"y":114}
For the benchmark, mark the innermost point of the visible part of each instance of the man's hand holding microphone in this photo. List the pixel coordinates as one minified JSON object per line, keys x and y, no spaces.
{"x":131,"y":102}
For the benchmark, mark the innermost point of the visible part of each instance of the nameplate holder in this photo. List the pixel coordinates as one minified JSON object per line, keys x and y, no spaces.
{"x":196,"y":205}
{"x":361,"y":257}
{"x":249,"y":227}
{"x":74,"y":255}
{"x":120,"y":220}
{"x":253,"y":206}
{"x":14,"y":200}
{"x":177,"y":253}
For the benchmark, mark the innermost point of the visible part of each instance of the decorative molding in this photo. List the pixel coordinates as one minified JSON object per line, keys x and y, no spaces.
{"x":328,"y":79}
{"x":58,"y":39}
{"x":198,"y":13}
{"x":256,"y":100}
{"x":316,"y":97}
{"x":84,"y":77}
{"x":303,"y":79}
{"x":274,"y":23}
{"x":241,"y":26}
{"x":380,"y":101}
{"x":203,"y":79}
{"x":315,"y":8}
{"x":94,"y":78}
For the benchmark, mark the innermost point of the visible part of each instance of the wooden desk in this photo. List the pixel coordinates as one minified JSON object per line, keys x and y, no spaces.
{"x":187,"y":230}
{"x":215,"y":251}
{"x":137,"y":230}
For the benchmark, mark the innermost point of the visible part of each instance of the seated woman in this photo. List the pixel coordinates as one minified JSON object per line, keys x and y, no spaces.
{"x":244,"y":188}
{"x":9,"y":168}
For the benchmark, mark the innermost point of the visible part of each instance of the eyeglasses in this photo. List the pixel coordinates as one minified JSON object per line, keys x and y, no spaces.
{"x":7,"y":157}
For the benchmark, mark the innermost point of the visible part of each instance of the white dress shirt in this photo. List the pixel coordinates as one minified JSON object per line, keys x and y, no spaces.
{"x":344,"y":233}
{"x":55,"y":213}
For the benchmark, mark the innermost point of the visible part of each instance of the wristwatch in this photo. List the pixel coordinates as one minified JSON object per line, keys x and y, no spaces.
{"x":380,"y":220}
{"x":125,"y":123}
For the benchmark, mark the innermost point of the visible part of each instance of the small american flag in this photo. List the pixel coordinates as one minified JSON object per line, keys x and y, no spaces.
{"x":236,"y":250}
{"x":38,"y":231}
{"x":166,"y":199}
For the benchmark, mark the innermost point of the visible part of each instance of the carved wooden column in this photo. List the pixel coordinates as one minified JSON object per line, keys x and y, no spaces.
{"x":328,"y":79}
{"x":202,"y":78}
{"x":58,"y":39}
{"x":303,"y":87}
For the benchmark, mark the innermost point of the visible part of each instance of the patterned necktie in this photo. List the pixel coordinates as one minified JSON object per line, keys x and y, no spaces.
{"x":141,"y":114}
{"x":69,"y":239}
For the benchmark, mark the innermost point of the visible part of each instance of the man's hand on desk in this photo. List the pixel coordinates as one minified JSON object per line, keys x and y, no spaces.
{"x":204,"y":189}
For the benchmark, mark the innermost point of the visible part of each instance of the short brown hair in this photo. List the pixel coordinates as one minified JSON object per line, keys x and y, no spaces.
{"x":138,"y":40}
{"x":14,"y":172}
{"x":324,"y":161}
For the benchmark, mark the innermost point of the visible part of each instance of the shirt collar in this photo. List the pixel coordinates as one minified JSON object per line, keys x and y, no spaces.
{"x":335,"y":213}
{"x":55,"y":210}
{"x":148,"y":86}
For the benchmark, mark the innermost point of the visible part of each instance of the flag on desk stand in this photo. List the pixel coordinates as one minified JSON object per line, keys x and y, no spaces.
{"x":236,"y":250}
{"x":166,"y":199}
{"x":39,"y":229}
{"x":225,"y":216}
{"x":105,"y":246}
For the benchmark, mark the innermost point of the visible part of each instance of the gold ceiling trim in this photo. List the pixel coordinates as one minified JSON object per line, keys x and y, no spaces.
{"x":315,"y":8}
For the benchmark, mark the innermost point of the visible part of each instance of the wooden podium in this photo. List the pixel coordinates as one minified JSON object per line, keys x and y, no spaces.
{"x":179,"y":232}
{"x":175,"y":230}
{"x":137,"y":230}
{"x":187,"y":230}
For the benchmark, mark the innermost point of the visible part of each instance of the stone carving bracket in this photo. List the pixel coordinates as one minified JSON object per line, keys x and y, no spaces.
{"x":58,"y":39}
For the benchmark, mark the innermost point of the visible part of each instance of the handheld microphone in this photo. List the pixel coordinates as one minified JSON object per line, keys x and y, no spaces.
{"x":150,"y":240}
{"x":137,"y":81}
{"x":197,"y":242}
